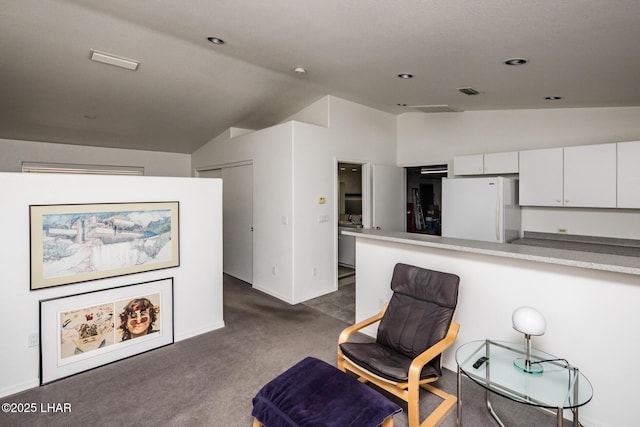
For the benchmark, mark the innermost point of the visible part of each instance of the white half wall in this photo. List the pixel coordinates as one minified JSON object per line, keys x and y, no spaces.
{"x":591,"y":315}
{"x":155,"y":163}
{"x":197,"y":281}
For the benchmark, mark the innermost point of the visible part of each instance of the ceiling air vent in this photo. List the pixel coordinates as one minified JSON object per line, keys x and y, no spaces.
{"x":435,"y":108}
{"x":468,"y":91}
{"x":434,"y":170}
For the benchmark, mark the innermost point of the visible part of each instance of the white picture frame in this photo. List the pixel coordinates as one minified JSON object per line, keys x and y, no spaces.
{"x":84,"y":331}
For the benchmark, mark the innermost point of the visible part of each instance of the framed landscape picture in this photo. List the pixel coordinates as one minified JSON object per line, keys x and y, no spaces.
{"x":78,"y":243}
{"x":84,"y":331}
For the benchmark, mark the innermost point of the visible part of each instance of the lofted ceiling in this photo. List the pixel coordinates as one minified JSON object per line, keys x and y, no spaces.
{"x":187,"y":90}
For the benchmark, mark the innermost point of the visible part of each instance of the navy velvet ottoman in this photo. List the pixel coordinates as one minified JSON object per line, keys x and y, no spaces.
{"x":313,"y":393}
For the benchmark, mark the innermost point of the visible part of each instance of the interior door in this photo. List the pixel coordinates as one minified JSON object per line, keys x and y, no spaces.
{"x":388,"y":198}
{"x":237,"y":219}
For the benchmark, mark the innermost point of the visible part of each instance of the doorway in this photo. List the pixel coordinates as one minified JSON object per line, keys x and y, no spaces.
{"x":237,"y":219}
{"x":349,"y":215}
{"x":424,"y":196}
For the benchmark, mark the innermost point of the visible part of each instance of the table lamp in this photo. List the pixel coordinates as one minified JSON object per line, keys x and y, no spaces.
{"x":530,"y":322}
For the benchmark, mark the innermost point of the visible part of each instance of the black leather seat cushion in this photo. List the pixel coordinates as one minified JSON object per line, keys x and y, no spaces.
{"x":383,"y":361}
{"x":418,"y":316}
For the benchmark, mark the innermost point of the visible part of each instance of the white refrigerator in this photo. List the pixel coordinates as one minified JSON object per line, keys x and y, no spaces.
{"x":483,"y":208}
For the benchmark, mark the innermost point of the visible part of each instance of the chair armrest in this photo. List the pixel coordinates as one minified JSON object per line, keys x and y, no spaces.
{"x":438,"y":348}
{"x":347,"y":332}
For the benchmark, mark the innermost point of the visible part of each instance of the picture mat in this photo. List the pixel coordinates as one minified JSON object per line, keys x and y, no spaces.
{"x":40,"y":279}
{"x":50,"y":337}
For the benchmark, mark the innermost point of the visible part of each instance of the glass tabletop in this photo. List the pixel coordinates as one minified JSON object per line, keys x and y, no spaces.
{"x":560,"y":385}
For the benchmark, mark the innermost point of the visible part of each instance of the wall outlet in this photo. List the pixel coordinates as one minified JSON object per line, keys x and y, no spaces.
{"x":274,"y":270}
{"x":562,"y":230}
{"x":34,"y":340}
{"x":313,"y":271}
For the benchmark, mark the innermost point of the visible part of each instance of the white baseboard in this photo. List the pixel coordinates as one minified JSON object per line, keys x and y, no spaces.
{"x":17,"y":388}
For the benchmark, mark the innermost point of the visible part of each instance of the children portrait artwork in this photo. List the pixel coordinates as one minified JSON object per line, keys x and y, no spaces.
{"x":82,"y":331}
{"x":96,"y":327}
{"x":77,"y":243}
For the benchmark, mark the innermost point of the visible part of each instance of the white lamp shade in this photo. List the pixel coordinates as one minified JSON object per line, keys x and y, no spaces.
{"x":529,"y":321}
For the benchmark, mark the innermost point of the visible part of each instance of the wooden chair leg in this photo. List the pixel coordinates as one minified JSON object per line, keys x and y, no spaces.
{"x":443,"y":409}
{"x":388,"y":422}
{"x":413,"y":406}
{"x":256,"y":423}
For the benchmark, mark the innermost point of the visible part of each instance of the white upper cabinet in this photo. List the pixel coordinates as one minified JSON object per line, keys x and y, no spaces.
{"x":501,"y":163}
{"x":590,"y":176}
{"x":629,"y":174}
{"x":486,"y":164}
{"x":541,"y":177}
{"x":581,"y":176}
{"x":468,"y":165}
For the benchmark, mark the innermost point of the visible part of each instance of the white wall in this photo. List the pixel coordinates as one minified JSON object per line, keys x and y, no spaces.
{"x":270,"y":152}
{"x":591,"y":315}
{"x":13,"y":153}
{"x":293,"y":164}
{"x":355,"y":133}
{"x":197,"y":281}
{"x":436,"y":138}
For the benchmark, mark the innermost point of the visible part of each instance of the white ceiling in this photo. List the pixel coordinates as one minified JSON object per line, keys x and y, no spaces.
{"x":188,"y":90}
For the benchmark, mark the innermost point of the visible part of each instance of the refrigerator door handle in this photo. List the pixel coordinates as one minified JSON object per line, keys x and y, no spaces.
{"x":498,"y":219}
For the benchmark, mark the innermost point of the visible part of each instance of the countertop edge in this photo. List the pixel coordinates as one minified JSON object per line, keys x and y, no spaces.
{"x":589,"y":260}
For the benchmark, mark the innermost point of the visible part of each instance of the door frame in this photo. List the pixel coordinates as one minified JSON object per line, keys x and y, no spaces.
{"x":229,"y":165}
{"x":366,"y":202}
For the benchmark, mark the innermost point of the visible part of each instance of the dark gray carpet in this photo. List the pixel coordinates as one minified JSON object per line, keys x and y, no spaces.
{"x":209,"y":380}
{"x":340,"y":304}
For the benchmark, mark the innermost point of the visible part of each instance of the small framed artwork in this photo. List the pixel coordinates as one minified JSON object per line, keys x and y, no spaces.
{"x":78,"y":243}
{"x":84,"y":331}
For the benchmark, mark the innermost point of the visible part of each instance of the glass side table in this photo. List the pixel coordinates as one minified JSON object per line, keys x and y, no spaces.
{"x":560,"y":386}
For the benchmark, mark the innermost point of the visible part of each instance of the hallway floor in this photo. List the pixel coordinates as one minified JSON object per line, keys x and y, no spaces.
{"x":340,"y":304}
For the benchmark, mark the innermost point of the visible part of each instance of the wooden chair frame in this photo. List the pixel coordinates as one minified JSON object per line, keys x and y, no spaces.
{"x":408,"y":391}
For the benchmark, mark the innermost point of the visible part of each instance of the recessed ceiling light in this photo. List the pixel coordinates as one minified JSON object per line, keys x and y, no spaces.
{"x":552,"y":98}
{"x":299,"y":70}
{"x":215,"y":40}
{"x":405,"y":75}
{"x":516,"y":61}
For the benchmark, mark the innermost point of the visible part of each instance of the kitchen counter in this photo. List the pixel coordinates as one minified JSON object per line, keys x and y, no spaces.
{"x":562,"y":256}
{"x":603,"y":245}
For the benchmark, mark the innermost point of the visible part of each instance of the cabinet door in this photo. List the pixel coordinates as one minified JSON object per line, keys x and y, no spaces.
{"x":629,"y":174}
{"x":501,"y":163}
{"x":590,"y":176}
{"x":346,"y":250}
{"x":468,"y":165}
{"x":541,"y":177}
